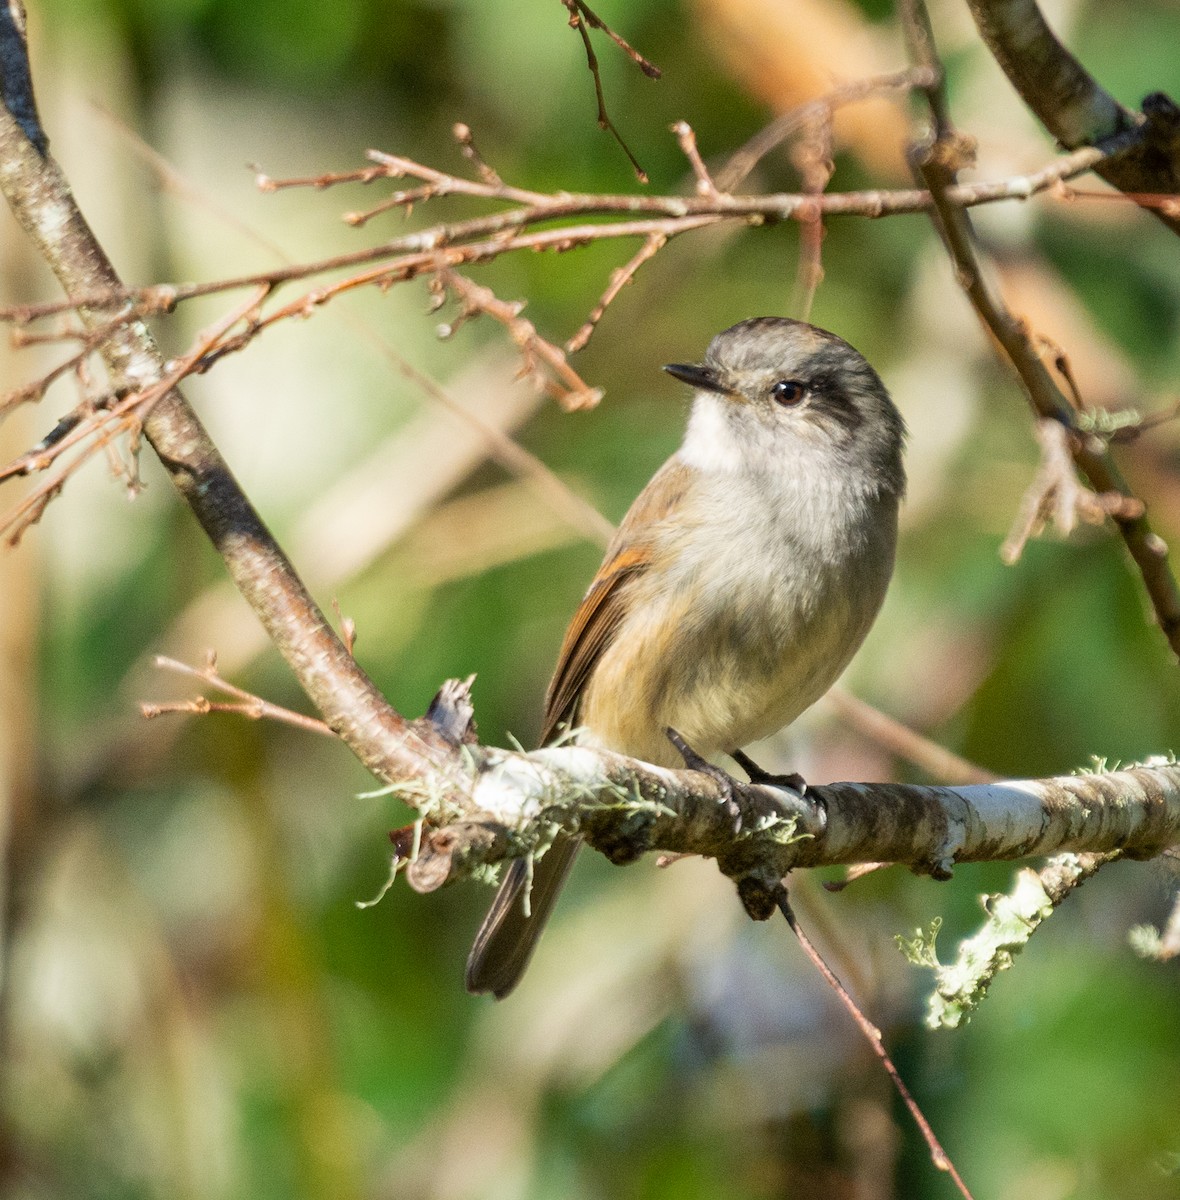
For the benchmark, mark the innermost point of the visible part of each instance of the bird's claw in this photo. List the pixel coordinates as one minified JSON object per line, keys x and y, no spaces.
{"x":792,"y":780}
{"x":726,"y":782}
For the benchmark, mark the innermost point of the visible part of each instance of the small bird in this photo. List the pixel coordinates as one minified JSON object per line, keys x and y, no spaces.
{"x":740,"y":583}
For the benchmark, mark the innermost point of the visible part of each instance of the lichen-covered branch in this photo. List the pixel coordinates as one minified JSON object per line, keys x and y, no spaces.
{"x":515,"y":802}
{"x":1075,"y":109}
{"x":1012,"y":918}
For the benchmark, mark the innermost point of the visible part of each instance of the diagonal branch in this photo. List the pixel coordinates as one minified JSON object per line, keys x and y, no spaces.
{"x":43,"y":203}
{"x":1074,"y":107}
{"x":937,"y":163}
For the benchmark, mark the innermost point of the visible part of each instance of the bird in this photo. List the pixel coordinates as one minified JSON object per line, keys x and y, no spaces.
{"x":738,"y":586}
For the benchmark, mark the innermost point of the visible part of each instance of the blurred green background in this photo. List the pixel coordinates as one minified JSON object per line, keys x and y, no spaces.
{"x":192,"y":1005}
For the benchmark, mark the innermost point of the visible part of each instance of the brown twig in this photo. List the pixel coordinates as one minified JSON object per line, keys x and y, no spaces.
{"x":813,"y":157}
{"x":44,"y":204}
{"x":938,"y":1156}
{"x":462,"y":244}
{"x":558,"y":378}
{"x":1056,"y":493}
{"x":103,"y":425}
{"x":470,"y":151}
{"x":745,"y":159}
{"x":688,"y":145}
{"x":501,"y":447}
{"x":247,"y":704}
{"x":1167,"y":204}
{"x":581,"y":18}
{"x":619,"y":278}
{"x":483,"y":239}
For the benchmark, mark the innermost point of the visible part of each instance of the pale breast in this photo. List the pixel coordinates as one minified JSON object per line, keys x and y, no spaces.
{"x":752,"y":626}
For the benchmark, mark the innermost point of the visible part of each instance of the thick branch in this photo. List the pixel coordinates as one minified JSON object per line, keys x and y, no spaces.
{"x":1074,"y":108}
{"x":42,"y":201}
{"x":625,"y":808}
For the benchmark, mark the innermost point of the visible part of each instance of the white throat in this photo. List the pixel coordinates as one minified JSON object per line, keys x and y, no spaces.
{"x":710,"y":443}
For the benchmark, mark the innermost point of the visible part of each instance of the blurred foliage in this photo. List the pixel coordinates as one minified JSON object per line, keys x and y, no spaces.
{"x":193,"y":1007}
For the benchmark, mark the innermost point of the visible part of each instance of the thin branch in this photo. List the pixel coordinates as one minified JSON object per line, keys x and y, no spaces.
{"x":936,"y":165}
{"x":688,"y":145}
{"x":580,"y":18}
{"x":937,"y":761}
{"x":596,"y":22}
{"x":1056,"y":493}
{"x":813,"y":157}
{"x":747,"y":157}
{"x":247,"y":704}
{"x":619,"y":278}
{"x":557,"y":378}
{"x":483,"y":239}
{"x":470,"y":151}
{"x":938,"y":1156}
{"x":500,"y":446}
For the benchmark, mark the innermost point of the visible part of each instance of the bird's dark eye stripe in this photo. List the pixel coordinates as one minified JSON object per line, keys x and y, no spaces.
{"x":788,"y":391}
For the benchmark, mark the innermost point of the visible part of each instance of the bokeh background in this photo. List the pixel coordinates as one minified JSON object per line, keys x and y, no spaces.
{"x":192,"y":1005}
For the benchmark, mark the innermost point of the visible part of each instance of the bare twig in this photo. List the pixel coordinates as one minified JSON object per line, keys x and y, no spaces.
{"x":44,"y":204}
{"x":619,"y":278}
{"x":247,"y":703}
{"x":500,"y":446}
{"x":467,"y":147}
{"x":559,"y":379}
{"x":482,"y":239}
{"x":938,"y":1156}
{"x":580,"y":18}
{"x":813,"y":157}
{"x":1056,"y":493}
{"x":745,"y":159}
{"x":688,"y":144}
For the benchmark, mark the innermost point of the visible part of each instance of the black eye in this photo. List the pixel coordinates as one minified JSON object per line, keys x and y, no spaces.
{"x":788,"y":391}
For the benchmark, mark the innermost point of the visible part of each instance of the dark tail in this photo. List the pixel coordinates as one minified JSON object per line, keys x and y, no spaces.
{"x":507,"y":938}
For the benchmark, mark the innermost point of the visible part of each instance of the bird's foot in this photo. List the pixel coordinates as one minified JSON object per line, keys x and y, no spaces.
{"x":694,"y":762}
{"x":792,"y":780}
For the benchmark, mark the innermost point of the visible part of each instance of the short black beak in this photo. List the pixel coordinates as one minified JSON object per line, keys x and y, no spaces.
{"x":704,"y":378}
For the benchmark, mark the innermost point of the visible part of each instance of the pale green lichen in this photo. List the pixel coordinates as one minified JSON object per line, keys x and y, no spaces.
{"x":920,"y":950}
{"x":961,"y":986}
